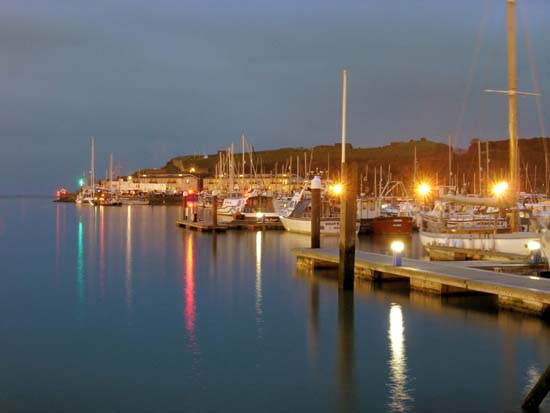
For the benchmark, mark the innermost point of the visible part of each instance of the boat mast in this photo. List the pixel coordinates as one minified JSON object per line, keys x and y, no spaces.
{"x":487,"y":182}
{"x":450,"y":163}
{"x":414,"y":170}
{"x":243,"y":161}
{"x":92,"y":169}
{"x":479,"y":166}
{"x":512,"y":88}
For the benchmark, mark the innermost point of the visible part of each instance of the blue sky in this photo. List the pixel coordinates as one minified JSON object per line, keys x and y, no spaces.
{"x":155,"y":79}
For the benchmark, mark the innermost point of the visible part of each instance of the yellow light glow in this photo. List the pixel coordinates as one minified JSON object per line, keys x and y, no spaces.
{"x":129,"y":178}
{"x":533,"y":245}
{"x":337,"y":189}
{"x":500,"y":188}
{"x":424,"y":189}
{"x":192,"y":170}
{"x":397,"y":246}
{"x":259,"y":215}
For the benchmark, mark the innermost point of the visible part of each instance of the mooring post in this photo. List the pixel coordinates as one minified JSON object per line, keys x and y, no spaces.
{"x":214,"y":211}
{"x":348,"y":206}
{"x":185,"y":205}
{"x":348,"y":218}
{"x":538,"y":392}
{"x":316,"y":212}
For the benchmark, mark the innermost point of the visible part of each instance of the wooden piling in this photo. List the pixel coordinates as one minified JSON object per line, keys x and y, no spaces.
{"x":348,"y":212}
{"x":185,"y":206}
{"x":214,"y":210}
{"x":316,"y":212}
{"x":538,"y":392}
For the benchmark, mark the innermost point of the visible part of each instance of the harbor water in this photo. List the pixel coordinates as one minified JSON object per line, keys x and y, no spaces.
{"x":115,"y":309}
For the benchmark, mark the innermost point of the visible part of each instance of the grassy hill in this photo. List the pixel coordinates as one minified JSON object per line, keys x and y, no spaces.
{"x":396,"y":158}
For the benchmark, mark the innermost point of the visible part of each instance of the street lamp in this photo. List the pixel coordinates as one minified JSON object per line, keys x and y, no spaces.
{"x":397,"y":248}
{"x":534,"y":251}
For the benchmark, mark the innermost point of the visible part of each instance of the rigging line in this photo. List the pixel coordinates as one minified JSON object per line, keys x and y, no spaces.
{"x":471,"y":71}
{"x":534,"y":72}
{"x":536,"y":86}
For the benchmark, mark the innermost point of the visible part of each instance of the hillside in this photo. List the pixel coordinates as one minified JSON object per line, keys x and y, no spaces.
{"x":396,"y":158}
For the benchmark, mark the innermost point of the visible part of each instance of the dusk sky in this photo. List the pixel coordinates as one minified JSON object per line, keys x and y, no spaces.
{"x":155,"y":79}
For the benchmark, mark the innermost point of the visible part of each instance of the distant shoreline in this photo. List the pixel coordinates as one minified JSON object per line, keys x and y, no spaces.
{"x":25,"y":196}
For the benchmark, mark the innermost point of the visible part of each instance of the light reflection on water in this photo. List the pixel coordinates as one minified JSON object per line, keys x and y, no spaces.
{"x":139,"y":307}
{"x":128,"y":263}
{"x":80,"y":263}
{"x":400,"y":397}
{"x":259,"y":310}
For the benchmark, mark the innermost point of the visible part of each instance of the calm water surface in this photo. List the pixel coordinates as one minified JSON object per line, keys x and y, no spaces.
{"x":117,"y":309}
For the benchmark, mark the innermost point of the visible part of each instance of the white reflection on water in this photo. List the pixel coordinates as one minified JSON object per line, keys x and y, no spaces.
{"x":128,"y":275}
{"x":399,"y":391}
{"x":533,"y":373}
{"x":259,"y":311}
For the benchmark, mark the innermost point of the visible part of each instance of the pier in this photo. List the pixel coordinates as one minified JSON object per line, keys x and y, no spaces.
{"x":205,"y":226}
{"x":515,"y":292}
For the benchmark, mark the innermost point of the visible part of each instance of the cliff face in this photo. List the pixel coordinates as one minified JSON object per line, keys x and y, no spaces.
{"x":396,"y":159}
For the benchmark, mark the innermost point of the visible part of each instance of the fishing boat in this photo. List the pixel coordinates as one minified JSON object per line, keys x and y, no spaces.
{"x":252,"y":206}
{"x":299,"y":220}
{"x":388,"y":213}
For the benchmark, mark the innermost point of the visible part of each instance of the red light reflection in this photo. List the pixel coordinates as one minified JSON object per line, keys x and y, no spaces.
{"x":190,"y":286}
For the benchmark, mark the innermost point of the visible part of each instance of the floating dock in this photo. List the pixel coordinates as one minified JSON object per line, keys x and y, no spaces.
{"x":445,"y":253}
{"x":201,"y":226}
{"x":205,"y":226}
{"x":516,"y":292}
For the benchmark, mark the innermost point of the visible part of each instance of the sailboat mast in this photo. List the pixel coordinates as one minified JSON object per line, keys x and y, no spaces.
{"x":479,"y":166}
{"x":111,"y":171}
{"x":243,"y":161}
{"x":92,"y":168}
{"x":512,"y":88}
{"x":450,"y":163}
{"x":344,"y":102}
{"x":487,"y":181}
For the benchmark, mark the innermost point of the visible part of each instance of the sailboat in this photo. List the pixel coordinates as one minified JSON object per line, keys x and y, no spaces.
{"x":509,"y":238}
{"x":87,"y":195}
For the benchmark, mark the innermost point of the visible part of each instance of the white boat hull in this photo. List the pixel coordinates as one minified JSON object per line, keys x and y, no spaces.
{"x":514,"y":243}
{"x":303,"y":225}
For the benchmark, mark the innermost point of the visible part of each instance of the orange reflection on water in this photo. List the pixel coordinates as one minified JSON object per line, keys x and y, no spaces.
{"x":128,"y":277}
{"x":101,"y":250}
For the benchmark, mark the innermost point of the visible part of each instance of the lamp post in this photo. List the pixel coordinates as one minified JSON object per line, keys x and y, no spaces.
{"x":397,"y":248}
{"x":534,"y":252}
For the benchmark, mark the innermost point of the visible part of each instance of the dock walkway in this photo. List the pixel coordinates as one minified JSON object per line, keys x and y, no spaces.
{"x":522,"y":293}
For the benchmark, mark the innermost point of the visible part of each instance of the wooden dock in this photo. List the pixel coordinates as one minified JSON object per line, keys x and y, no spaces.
{"x":516,"y":292}
{"x":445,"y":253}
{"x":201,"y":226}
{"x":205,"y":226}
{"x":255,"y":226}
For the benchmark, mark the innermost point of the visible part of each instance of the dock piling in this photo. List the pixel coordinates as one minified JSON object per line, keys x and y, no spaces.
{"x":348,"y":224}
{"x":214,"y":210}
{"x":185,"y":210}
{"x":316,"y":212}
